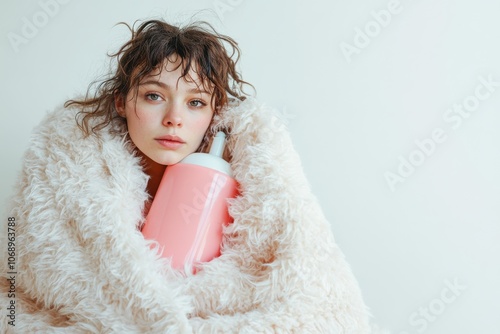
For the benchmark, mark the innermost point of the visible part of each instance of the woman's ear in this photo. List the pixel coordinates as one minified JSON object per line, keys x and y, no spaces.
{"x":120,"y":105}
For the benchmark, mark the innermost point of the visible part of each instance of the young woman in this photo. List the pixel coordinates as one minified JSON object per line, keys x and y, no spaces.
{"x":93,"y":168}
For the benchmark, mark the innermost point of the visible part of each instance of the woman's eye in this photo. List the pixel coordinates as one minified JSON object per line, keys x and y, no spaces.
{"x":197,"y":103}
{"x":153,"y":97}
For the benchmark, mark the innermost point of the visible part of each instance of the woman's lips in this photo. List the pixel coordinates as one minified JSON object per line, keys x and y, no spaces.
{"x":170,"y":142}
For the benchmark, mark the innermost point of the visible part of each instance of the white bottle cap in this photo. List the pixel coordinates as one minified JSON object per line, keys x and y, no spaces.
{"x":218,"y":144}
{"x":213,"y":159}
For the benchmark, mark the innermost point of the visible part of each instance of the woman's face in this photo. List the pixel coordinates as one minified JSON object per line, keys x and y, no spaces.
{"x":169,"y":117}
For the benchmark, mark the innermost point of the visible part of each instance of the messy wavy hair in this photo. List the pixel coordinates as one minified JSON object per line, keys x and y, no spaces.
{"x":211,"y":55}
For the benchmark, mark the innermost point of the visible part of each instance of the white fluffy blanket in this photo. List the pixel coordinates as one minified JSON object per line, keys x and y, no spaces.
{"x":84,"y":267}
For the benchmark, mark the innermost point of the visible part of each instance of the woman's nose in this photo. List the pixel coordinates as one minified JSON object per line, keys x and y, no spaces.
{"x":173,"y":116}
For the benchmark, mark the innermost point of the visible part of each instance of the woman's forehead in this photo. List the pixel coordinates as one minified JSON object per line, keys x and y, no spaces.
{"x":169,"y":77}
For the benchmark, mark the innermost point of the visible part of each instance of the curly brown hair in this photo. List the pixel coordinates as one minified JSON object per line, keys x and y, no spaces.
{"x":198,"y":45}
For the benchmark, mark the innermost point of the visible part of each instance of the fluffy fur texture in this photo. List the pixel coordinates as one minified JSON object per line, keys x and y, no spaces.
{"x":84,"y":267}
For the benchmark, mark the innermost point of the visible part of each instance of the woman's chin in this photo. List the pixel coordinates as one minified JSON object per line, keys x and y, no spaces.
{"x":170,"y":160}
{"x":164,"y":160}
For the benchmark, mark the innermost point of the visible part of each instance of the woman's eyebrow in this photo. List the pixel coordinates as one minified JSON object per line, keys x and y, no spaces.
{"x":156,"y":83}
{"x":198,"y":91}
{"x":168,"y":87}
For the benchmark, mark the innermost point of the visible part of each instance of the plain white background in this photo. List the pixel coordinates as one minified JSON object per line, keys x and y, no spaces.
{"x":355,"y":115}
